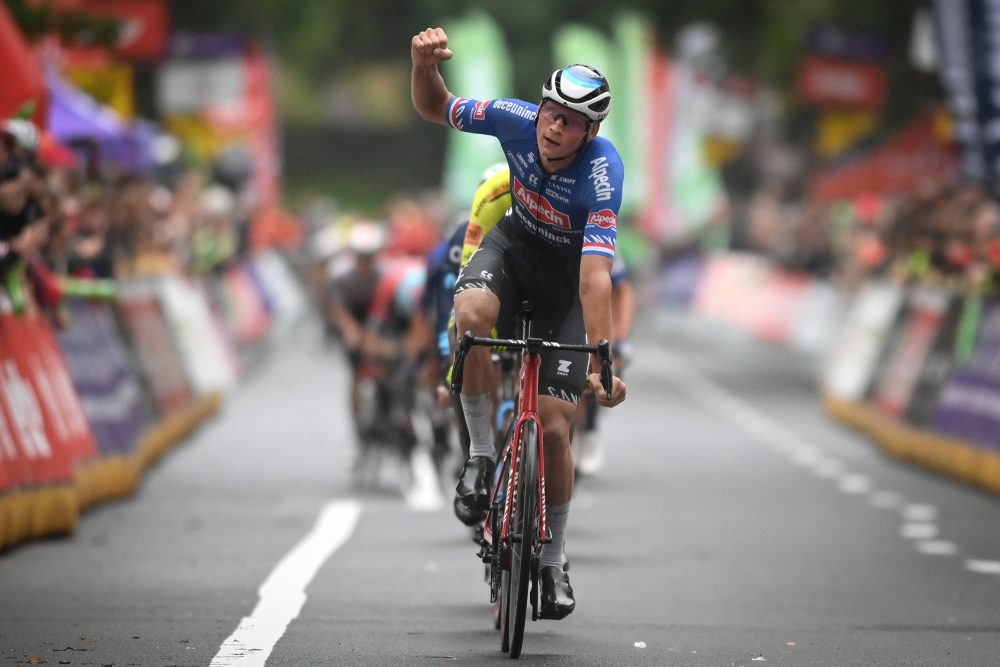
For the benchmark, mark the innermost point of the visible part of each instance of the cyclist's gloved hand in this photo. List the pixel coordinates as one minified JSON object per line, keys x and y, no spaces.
{"x":618,"y":390}
{"x":442,"y":396}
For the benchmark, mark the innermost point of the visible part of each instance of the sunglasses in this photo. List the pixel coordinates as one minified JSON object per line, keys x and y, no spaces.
{"x":552,"y":113}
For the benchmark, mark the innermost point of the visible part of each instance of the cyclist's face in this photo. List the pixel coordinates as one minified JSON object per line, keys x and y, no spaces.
{"x":561,"y":131}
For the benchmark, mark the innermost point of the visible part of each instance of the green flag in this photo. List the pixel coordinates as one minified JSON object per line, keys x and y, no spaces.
{"x":631,"y":106}
{"x":480,"y":69}
{"x":624,"y":62}
{"x":695,"y":187}
{"x":574,"y":44}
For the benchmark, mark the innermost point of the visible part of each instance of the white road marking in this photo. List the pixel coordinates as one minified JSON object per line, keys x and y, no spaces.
{"x":983,"y":566}
{"x":424,"y":494}
{"x":920,"y":531}
{"x":886,"y":500}
{"x":937,"y":548}
{"x":807,"y":456}
{"x":855,"y":484}
{"x":919,"y":519}
{"x":284,"y":591}
{"x":914,"y":512}
{"x":828,"y":468}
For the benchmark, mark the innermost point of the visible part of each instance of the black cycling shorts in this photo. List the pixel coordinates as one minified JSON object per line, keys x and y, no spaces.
{"x":517,"y":271}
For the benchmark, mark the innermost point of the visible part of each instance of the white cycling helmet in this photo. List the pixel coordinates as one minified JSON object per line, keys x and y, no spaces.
{"x":24,"y":133}
{"x":581,"y":88}
{"x":492,"y":171}
{"x":366,"y":238}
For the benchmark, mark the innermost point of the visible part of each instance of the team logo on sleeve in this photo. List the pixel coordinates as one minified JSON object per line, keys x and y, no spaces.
{"x":480,"y":111}
{"x":605,"y":219}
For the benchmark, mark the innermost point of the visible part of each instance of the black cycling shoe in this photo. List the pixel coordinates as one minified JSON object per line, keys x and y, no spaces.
{"x":470,"y":516}
{"x":557,"y":595}
{"x":474,"y":483}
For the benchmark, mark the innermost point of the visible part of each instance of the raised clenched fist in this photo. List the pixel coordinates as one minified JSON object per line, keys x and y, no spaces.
{"x":430,"y":47}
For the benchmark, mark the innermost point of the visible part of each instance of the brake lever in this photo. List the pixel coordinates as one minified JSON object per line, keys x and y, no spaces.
{"x":607,"y":377}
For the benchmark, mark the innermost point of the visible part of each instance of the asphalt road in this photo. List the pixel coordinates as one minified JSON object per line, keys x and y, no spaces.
{"x":733,"y":524}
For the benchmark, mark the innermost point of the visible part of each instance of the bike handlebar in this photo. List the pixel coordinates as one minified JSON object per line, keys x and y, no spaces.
{"x":534,"y":346}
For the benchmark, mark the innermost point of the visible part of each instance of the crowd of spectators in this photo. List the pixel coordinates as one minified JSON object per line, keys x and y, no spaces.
{"x":945,"y":234}
{"x":65,"y":213}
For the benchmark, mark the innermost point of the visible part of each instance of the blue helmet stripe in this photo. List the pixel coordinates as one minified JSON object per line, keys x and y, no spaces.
{"x":589,"y":82}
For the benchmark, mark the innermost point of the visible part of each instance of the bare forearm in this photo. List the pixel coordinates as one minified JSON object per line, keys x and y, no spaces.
{"x":429,"y":94}
{"x":595,"y":296}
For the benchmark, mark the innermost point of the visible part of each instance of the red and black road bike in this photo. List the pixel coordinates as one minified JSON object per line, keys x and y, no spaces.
{"x":515,"y":527}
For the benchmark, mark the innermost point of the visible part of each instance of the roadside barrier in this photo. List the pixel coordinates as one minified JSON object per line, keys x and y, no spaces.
{"x":918,"y":369}
{"x":915,"y":367}
{"x":87,"y":407}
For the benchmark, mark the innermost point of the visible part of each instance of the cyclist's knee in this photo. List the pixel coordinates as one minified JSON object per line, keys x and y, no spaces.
{"x":476,"y":311}
{"x":557,"y":418}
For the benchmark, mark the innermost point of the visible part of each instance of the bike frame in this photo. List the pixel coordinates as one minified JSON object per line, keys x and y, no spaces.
{"x":527,"y":411}
{"x":497,"y":549}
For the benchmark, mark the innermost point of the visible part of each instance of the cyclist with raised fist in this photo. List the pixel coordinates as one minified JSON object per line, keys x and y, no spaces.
{"x":554,"y":247}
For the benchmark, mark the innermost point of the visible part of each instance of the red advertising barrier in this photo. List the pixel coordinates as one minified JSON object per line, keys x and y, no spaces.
{"x":838,"y":82}
{"x":902,"y":371}
{"x":45,"y":423}
{"x":44,"y":433}
{"x":148,"y":330}
{"x":777,"y":305}
{"x":246,"y":314}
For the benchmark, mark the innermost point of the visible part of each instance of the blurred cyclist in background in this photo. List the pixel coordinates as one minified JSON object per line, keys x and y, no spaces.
{"x":386,"y":380}
{"x":351,"y":294}
{"x":588,"y":445}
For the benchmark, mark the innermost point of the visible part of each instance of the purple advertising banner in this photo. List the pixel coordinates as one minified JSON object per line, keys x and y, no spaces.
{"x":678,"y":282}
{"x":98,"y":364}
{"x":969,"y":405}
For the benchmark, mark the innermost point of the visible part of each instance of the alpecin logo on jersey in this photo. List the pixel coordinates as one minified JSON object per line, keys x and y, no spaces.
{"x":480,"y":111}
{"x":540,"y":207}
{"x":605,"y":219}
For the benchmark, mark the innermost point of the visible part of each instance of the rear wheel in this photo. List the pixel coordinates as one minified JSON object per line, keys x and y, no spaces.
{"x":498,"y":594}
{"x":504,"y":611}
{"x":524,"y":531}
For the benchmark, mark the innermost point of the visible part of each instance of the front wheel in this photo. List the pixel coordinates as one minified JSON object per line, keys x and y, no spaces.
{"x":523,"y":535}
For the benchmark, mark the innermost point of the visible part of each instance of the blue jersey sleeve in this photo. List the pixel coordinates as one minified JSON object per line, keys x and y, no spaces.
{"x":605,"y":177}
{"x":500,"y":117}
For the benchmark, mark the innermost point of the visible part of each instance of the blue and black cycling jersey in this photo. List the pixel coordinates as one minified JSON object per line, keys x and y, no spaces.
{"x":443,"y":264}
{"x":573,"y":211}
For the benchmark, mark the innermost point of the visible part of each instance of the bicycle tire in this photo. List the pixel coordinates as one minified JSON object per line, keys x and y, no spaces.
{"x":496,"y":561}
{"x":524,"y":519}
{"x":505,"y":611}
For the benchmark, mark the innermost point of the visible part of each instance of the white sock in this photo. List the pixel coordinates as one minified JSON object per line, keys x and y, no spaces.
{"x":553,"y":552}
{"x":478,"y":412}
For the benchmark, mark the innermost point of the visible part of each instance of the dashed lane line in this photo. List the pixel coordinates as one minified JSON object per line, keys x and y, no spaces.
{"x":919,"y":521}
